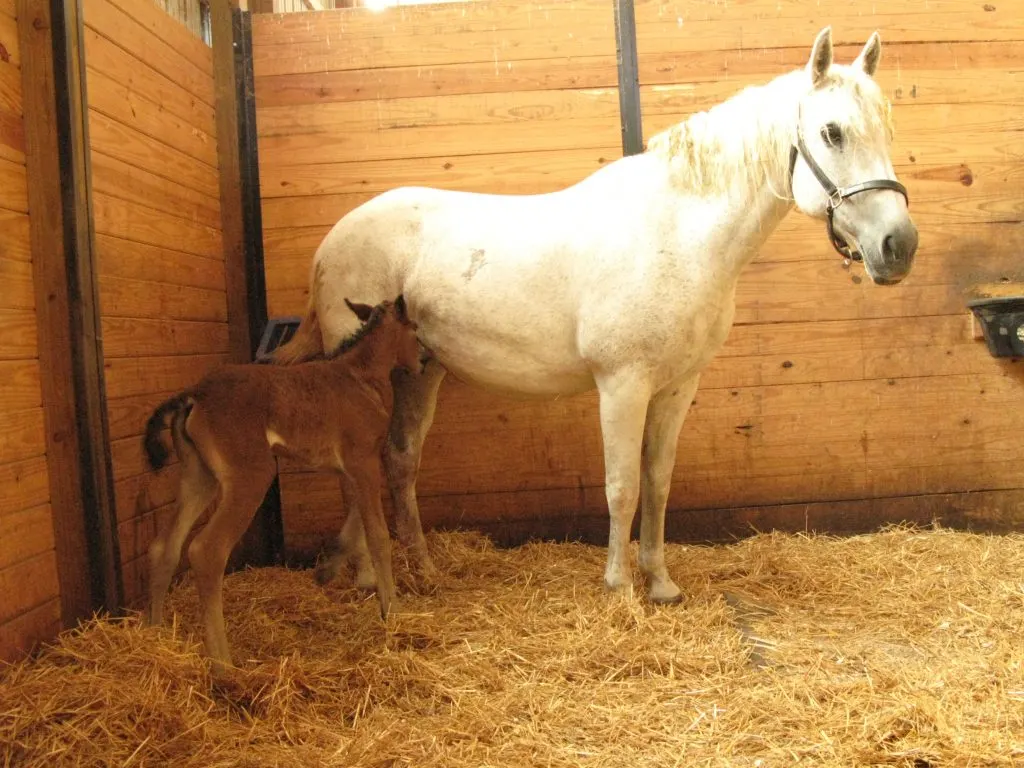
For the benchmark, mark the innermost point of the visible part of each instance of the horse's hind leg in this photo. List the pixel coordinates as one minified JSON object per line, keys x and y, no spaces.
{"x":351,"y":545}
{"x":415,"y":403}
{"x":196,"y":490}
{"x":665,"y":418}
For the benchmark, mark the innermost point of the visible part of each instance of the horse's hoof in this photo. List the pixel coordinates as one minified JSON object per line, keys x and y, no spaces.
{"x":665,"y":593}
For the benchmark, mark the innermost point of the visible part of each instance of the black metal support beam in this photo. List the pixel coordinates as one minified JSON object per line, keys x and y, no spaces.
{"x":629,"y":78}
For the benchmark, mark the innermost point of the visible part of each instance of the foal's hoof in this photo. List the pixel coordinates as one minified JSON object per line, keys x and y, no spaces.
{"x":326,"y":572}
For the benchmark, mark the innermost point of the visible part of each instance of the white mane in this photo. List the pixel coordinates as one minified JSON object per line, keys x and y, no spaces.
{"x":748,"y":137}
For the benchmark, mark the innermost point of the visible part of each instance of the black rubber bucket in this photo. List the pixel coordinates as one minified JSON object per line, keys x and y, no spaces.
{"x":1002,"y":321}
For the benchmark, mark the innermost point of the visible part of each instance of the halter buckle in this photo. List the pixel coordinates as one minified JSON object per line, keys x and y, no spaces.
{"x":835,"y":199}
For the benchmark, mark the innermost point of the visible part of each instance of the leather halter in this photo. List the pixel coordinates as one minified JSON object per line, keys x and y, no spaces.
{"x":836,"y":195}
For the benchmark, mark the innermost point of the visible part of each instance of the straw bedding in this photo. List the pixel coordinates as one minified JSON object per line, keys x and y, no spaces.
{"x":903,"y":647}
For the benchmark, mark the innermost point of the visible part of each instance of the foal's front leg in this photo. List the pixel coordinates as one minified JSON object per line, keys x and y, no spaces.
{"x":623,"y":403}
{"x":665,"y":417}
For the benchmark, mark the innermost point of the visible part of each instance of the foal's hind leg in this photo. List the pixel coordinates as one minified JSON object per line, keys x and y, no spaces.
{"x":242,"y":492}
{"x":196,"y":490}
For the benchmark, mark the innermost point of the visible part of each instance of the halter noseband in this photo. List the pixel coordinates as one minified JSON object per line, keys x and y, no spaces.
{"x":836,"y":195}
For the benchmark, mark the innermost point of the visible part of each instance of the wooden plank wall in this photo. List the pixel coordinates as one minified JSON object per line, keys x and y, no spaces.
{"x":30,"y":603}
{"x":835,"y":401}
{"x":158,"y":237}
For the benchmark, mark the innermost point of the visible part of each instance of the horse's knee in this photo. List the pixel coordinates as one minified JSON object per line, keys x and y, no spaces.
{"x":622,"y":495}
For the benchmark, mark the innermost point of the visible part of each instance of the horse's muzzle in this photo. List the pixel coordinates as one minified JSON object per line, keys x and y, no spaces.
{"x":895,"y":255}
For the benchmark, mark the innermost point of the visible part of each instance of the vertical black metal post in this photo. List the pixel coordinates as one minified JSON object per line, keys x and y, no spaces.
{"x":629,"y":78}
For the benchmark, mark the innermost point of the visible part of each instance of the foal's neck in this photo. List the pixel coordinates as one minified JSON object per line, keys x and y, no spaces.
{"x":369,"y":361}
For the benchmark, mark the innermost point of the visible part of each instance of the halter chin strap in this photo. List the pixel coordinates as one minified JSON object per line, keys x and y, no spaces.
{"x":836,"y":195}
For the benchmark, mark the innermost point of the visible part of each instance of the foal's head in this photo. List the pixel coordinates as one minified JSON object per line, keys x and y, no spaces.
{"x":392,"y":331}
{"x":844,"y":122}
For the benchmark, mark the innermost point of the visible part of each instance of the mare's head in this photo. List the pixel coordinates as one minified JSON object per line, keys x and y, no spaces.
{"x":392,"y":329}
{"x":844,"y":129}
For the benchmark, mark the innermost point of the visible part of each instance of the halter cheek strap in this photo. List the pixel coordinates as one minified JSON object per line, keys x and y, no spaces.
{"x":836,"y":195}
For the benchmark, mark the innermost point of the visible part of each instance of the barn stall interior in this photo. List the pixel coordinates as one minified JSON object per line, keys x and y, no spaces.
{"x":171,"y":200}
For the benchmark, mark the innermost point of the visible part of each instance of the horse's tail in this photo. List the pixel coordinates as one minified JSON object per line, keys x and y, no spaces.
{"x":180,"y":406}
{"x":306,"y":344}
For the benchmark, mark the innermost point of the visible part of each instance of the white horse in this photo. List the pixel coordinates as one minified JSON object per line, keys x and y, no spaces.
{"x":625,"y":281}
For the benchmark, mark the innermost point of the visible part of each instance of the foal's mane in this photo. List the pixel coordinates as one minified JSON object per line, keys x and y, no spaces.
{"x":359,"y":334}
{"x":746,"y":139}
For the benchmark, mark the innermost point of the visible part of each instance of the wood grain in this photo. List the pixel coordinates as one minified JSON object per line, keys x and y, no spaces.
{"x":20,"y":334}
{"x":12,"y":138}
{"x":133,"y":221}
{"x":28,"y":584}
{"x":137,"y":149}
{"x":133,"y":109}
{"x":14,"y":236}
{"x":145,"y":45}
{"x":26,"y":534}
{"x":21,"y":635}
{"x":127,"y":376}
{"x":128,"y":415}
{"x":19,"y":384}
{"x":136,"y":337}
{"x":138,"y":261}
{"x":22,"y":434}
{"x":25,"y":484}
{"x":171,"y":32}
{"x":114,"y":178}
{"x":16,"y":277}
{"x":13,"y":186}
{"x":10,"y":41}
{"x":117,"y":64}
{"x":135,"y":298}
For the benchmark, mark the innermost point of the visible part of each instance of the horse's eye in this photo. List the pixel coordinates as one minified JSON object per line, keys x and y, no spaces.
{"x":832,"y":134}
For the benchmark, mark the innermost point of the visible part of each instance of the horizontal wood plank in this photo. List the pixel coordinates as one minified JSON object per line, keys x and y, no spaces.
{"x":127,"y":376}
{"x":117,"y":64}
{"x":12,"y":137}
{"x":28,"y":584}
{"x":128,"y":415}
{"x":114,"y":178}
{"x":137,"y":149}
{"x":170,"y":31}
{"x":25,"y":484}
{"x":10,"y":88}
{"x":19,"y":384}
{"x":120,"y":297}
{"x":13,"y":186}
{"x":25,"y":534}
{"x":14,"y":237}
{"x":21,"y":635}
{"x":20,"y":334}
{"x":133,"y":221}
{"x":135,"y":337}
{"x":9,"y":41}
{"x":133,"y":109}
{"x":22,"y":434}
{"x":149,"y":48}
{"x":140,"y":494}
{"x":132,"y":260}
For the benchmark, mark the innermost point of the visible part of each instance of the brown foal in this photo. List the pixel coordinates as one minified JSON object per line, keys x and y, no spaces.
{"x":330,"y":414}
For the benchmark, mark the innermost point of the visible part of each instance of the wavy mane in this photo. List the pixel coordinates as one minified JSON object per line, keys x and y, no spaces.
{"x":747,"y":138}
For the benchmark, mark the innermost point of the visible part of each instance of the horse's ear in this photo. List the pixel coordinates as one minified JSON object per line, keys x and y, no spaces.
{"x":362,"y":311}
{"x":400,"y":308}
{"x":870,"y":56}
{"x":821,"y":56}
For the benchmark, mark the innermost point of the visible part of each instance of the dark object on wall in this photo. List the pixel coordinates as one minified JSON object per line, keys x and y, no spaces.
{"x":279,"y":331}
{"x":1002,"y":322}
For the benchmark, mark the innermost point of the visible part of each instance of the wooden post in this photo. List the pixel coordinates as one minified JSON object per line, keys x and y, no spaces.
{"x":67,"y":307}
{"x":629,"y":78}
{"x":242,"y":227}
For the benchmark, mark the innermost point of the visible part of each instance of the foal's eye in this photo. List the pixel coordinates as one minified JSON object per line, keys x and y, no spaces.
{"x":833,"y":135}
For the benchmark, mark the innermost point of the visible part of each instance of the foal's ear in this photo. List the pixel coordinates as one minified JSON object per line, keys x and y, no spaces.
{"x":400,"y":308}
{"x":362,"y":311}
{"x":821,"y":56}
{"x":870,"y":56}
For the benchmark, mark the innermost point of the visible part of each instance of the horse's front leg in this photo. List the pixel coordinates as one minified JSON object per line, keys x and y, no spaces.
{"x":665,"y":417}
{"x":623,"y":403}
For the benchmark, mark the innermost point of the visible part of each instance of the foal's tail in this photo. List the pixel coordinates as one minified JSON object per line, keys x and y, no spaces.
{"x":180,"y":406}
{"x":306,"y":344}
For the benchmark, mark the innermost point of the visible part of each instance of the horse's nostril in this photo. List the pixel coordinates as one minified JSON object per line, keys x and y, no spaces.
{"x":889,"y":248}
